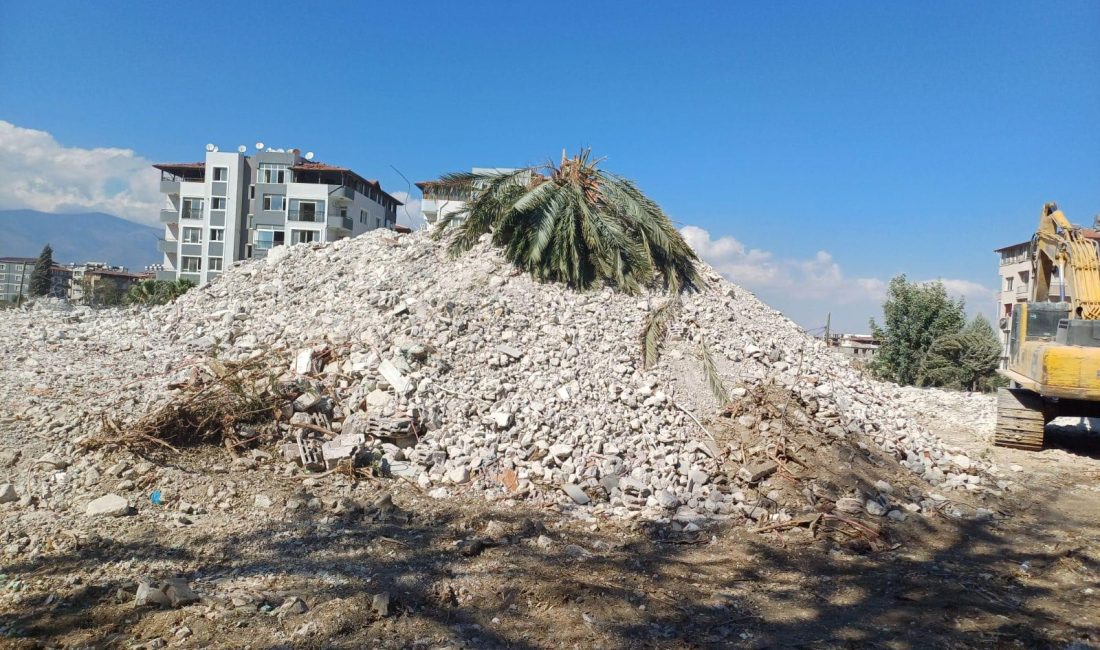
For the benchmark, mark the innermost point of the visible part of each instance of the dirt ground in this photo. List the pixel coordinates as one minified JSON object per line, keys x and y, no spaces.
{"x":538,"y":579}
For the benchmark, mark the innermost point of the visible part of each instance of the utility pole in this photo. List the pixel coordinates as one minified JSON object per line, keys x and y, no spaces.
{"x":828,"y":323}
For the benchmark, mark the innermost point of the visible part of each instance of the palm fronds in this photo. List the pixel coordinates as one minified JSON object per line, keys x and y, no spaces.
{"x":656,"y":326}
{"x":571,"y":222}
{"x":714,"y":380}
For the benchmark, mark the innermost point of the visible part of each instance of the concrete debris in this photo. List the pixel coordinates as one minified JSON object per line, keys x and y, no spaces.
{"x":179,"y":592}
{"x":454,"y":373}
{"x":110,"y":505}
{"x":380,"y":603}
{"x":7,"y":493}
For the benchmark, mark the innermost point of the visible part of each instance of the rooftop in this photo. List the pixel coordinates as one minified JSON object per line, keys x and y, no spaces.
{"x":23,"y":260}
{"x":308,"y":166}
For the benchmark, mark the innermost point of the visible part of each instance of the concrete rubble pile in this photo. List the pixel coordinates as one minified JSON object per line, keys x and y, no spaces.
{"x":467,"y":377}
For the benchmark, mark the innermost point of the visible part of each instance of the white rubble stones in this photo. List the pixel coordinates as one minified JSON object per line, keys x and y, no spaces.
{"x":7,"y":493}
{"x":500,"y":375}
{"x":849,"y":505}
{"x":110,"y":505}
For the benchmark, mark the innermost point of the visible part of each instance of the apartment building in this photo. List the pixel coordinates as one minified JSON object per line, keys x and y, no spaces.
{"x":15,"y":278}
{"x":441,"y":201}
{"x":232,"y":207}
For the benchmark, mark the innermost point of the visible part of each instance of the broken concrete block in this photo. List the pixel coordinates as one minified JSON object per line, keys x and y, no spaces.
{"x":758,"y":472}
{"x":7,"y":493}
{"x":510,"y":351}
{"x":303,"y":363}
{"x":110,"y":505}
{"x":306,"y":402}
{"x":575,"y":493}
{"x":381,"y":603}
{"x":849,"y":505}
{"x":148,"y":594}
{"x":179,"y":592}
{"x":393,"y":376}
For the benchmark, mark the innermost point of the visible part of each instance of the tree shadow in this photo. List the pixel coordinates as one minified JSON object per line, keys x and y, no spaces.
{"x":946,"y":583}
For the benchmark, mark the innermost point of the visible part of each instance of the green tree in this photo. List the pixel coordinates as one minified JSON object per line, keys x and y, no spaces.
{"x":40,"y":277}
{"x":915,"y":315}
{"x":156,"y":292}
{"x":573,"y":223}
{"x":965,"y":360}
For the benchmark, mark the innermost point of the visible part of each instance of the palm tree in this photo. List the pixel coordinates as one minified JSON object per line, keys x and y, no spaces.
{"x":575,"y":223}
{"x":143,"y":292}
{"x":571,"y":222}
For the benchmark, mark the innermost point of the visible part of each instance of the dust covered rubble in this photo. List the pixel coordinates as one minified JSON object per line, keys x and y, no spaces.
{"x":514,"y":389}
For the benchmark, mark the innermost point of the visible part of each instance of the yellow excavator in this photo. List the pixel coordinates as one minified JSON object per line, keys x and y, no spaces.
{"x":1054,"y":346}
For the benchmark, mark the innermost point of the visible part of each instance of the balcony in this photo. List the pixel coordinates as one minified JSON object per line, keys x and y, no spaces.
{"x":1022,"y":291}
{"x":170,"y":187}
{"x":169,"y":215}
{"x":167,"y":246}
{"x":342,"y":192}
{"x":314,"y":216}
{"x":340,"y":223}
{"x":168,"y":275}
{"x":192,"y":212}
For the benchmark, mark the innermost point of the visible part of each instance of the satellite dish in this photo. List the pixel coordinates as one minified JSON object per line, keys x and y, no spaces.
{"x":242,"y":149}
{"x":210,"y":147}
{"x":259,"y":146}
{"x":295,"y":151}
{"x":309,"y":155}
{"x":215,"y":148}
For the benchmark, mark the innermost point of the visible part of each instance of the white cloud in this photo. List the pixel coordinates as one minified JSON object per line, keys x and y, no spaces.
{"x":409,"y":214}
{"x":37,"y":172}
{"x":818,"y":277}
{"x":808,"y":288}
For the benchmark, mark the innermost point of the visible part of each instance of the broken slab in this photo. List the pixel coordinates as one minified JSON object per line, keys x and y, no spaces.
{"x":757,"y":472}
{"x":394,"y":378}
{"x":110,"y":505}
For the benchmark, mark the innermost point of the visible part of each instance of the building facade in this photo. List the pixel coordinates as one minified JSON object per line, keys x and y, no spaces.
{"x":441,"y":201}
{"x":15,"y":278}
{"x":232,"y":207}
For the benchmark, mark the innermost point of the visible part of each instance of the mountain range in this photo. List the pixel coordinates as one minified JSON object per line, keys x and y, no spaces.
{"x":86,"y":237}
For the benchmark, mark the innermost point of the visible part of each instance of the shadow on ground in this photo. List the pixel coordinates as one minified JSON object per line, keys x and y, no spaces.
{"x":943,"y":584}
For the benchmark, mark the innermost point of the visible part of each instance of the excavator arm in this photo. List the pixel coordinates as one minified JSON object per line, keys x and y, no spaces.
{"x":1059,"y":244}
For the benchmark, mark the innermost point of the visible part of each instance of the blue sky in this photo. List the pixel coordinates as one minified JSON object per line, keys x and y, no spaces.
{"x":837,"y":144}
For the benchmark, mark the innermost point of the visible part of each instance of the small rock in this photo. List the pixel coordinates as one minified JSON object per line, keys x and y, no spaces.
{"x":179,"y":592}
{"x":293,"y":605}
{"x":576,"y":493}
{"x":147,"y":595}
{"x":53,"y":460}
{"x":381,"y":604}
{"x":7,"y":493}
{"x":262,"y":501}
{"x":110,"y":505}
{"x":849,"y":505}
{"x":459,"y":475}
{"x":874,"y":508}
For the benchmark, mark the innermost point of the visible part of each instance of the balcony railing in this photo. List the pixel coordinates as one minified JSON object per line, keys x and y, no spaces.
{"x":169,"y":215}
{"x":306,"y":215}
{"x":167,"y":245}
{"x":336,"y":221}
{"x":194,"y":212}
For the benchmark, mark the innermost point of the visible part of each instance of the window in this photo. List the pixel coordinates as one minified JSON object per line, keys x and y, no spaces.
{"x":215,"y":264}
{"x":221,"y":173}
{"x":363,"y":217}
{"x":217,"y":203}
{"x":267,"y":238}
{"x":1008,"y":284}
{"x":378,"y":222}
{"x":273,"y":201}
{"x":192,"y":235}
{"x":251,"y":191}
{"x":192,"y":209}
{"x":217,"y":234}
{"x":271,"y":173}
{"x":303,"y":236}
{"x":307,"y":211}
{"x":190,"y":264}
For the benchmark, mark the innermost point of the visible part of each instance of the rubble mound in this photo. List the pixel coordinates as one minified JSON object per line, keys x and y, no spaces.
{"x":464,"y":375}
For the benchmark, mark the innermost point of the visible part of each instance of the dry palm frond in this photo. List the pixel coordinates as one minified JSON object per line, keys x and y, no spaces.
{"x":714,"y":380}
{"x":656,"y":326}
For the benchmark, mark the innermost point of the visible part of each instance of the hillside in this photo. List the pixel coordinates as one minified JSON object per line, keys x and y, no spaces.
{"x":84,"y":237}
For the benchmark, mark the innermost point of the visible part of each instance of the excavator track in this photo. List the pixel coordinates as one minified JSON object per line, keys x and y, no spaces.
{"x":1020,"y":419}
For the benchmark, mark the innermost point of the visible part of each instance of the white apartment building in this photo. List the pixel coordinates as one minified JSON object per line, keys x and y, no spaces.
{"x":232,"y":207}
{"x":440,"y":201}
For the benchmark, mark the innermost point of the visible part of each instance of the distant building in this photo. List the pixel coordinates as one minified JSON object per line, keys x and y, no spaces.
{"x":863,"y":347}
{"x":232,"y":207}
{"x":15,"y":278}
{"x":440,"y":201}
